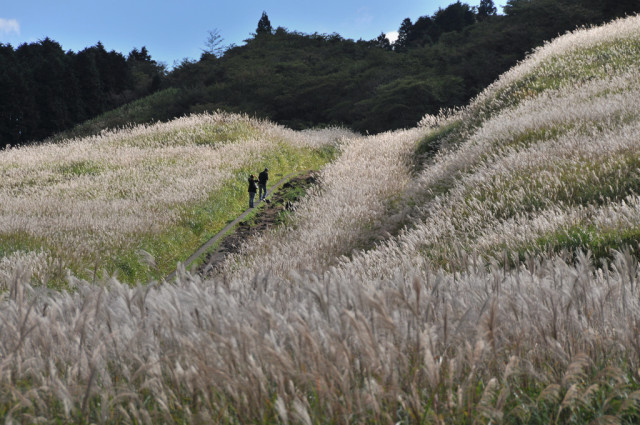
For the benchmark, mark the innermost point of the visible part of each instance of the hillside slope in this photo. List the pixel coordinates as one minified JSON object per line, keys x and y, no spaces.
{"x":545,"y":160}
{"x":440,"y":323}
{"x":93,"y":205}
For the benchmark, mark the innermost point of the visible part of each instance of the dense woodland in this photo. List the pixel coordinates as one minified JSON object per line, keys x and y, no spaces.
{"x":299,"y":80}
{"x":45,"y":90}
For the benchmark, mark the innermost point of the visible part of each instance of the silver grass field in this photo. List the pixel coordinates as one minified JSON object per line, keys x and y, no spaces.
{"x":495,"y":282}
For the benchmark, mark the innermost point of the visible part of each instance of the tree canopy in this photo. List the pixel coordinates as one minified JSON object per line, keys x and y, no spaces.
{"x":45,"y":90}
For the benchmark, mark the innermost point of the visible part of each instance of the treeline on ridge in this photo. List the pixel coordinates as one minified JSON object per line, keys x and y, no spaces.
{"x":45,"y":90}
{"x":301,"y":80}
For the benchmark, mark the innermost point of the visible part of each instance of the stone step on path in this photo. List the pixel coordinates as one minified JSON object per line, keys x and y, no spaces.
{"x":187,"y":263}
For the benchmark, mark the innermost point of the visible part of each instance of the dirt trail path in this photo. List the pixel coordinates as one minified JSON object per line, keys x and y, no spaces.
{"x":280,"y":198}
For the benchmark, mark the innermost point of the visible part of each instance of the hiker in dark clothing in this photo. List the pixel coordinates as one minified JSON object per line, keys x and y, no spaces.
{"x":252,"y":190}
{"x":262,"y":183}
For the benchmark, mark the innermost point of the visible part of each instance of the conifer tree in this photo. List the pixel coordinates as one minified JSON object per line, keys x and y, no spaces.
{"x":264,"y":25}
{"x":404,"y":32}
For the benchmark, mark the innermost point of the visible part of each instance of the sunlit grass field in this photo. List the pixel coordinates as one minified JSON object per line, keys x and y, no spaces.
{"x":481,"y":268}
{"x":103,"y":204}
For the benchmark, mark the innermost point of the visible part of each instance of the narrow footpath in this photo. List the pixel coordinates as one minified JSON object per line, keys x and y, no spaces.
{"x":281,"y":197}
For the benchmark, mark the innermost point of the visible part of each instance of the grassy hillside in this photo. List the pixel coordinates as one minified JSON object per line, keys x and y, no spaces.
{"x":480,"y":268}
{"x":163,"y":105}
{"x":103,"y":203}
{"x":545,"y":160}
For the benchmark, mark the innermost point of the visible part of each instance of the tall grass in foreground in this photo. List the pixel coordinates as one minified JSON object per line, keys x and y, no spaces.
{"x":544,"y":343}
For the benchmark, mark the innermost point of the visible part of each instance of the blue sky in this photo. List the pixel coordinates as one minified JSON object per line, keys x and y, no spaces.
{"x":173,"y":30}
